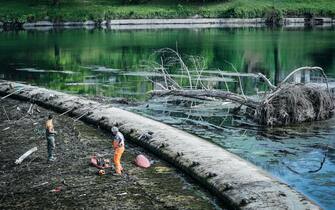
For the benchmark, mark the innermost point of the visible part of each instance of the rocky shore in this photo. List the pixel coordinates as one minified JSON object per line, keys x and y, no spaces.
{"x":70,"y":182}
{"x":238,"y":183}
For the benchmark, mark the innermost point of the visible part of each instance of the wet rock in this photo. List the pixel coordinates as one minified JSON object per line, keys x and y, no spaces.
{"x":37,"y":24}
{"x":244,"y":202}
{"x":179,"y":154}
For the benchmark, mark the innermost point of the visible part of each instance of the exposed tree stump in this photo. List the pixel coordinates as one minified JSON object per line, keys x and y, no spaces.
{"x":295,"y":103}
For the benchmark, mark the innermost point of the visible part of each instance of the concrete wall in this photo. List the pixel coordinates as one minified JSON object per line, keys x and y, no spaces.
{"x":240,"y":184}
{"x":187,"y":21}
{"x":178,"y":23}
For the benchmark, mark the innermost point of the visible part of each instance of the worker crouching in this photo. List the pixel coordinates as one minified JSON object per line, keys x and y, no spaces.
{"x":118,"y":144}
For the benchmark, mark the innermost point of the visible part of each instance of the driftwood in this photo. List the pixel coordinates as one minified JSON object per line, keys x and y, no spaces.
{"x":284,"y":104}
{"x":267,"y":81}
{"x":25,"y":155}
{"x":295,"y":103}
{"x":5,"y":112}
{"x":200,"y":94}
{"x":31,"y":109}
{"x":289,"y":104}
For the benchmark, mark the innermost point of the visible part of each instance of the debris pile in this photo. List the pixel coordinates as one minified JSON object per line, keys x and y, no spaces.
{"x":295,"y":103}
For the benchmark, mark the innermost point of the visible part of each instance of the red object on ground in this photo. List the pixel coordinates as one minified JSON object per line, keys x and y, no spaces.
{"x":94,"y":162}
{"x":57,"y":189}
{"x":102,"y":172}
{"x":142,"y":161}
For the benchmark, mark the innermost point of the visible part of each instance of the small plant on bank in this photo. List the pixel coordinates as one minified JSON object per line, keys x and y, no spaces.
{"x":183,"y":11}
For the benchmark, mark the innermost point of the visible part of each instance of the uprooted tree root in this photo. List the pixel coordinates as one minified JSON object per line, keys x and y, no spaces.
{"x":287,"y":103}
{"x":295,"y":103}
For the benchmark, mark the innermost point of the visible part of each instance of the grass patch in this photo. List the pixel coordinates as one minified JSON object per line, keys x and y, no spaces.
{"x":81,"y":10}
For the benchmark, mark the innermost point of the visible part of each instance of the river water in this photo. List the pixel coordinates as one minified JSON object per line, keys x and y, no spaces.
{"x":115,"y":63}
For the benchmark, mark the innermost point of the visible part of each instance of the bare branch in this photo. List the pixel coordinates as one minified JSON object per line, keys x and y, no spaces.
{"x":239,"y":79}
{"x":272,"y":87}
{"x":209,"y":93}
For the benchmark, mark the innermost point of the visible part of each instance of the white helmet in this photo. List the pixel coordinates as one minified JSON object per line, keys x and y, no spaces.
{"x":115,"y":129}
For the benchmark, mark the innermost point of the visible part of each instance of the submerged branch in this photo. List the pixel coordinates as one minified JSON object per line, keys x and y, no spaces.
{"x":208,"y":93}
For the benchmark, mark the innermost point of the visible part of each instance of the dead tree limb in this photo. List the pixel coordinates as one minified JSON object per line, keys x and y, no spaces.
{"x":6,"y":96}
{"x":301,"y":69}
{"x":285,"y":104}
{"x":239,"y":78}
{"x":5,"y":112}
{"x":267,"y":81}
{"x":314,"y":68}
{"x":25,"y":155}
{"x":181,"y":62}
{"x":208,"y":93}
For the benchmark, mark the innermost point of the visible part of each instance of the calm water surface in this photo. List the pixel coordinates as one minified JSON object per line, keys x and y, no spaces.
{"x":114,"y":63}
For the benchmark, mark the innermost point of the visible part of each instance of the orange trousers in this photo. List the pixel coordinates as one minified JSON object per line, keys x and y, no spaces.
{"x":118,"y":151}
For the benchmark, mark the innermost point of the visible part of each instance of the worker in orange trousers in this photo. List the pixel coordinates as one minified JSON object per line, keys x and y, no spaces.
{"x":118,"y":144}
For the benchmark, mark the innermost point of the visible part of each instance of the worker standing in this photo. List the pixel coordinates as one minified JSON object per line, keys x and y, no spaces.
{"x":118,"y":145}
{"x":50,"y":135}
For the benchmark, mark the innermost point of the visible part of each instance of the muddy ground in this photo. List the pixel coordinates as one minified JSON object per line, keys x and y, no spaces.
{"x":70,"y":182}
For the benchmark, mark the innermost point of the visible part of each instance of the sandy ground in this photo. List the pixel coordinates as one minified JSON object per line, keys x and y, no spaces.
{"x":32,"y":184}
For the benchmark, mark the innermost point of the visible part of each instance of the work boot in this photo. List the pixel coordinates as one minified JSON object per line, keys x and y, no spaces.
{"x":116,"y":174}
{"x":52,"y":159}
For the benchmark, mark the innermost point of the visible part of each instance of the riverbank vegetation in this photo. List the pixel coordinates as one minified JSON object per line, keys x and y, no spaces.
{"x":98,"y":10}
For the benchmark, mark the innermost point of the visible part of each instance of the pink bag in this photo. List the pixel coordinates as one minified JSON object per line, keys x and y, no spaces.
{"x":142,"y":161}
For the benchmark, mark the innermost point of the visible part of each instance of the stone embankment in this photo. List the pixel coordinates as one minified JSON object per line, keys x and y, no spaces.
{"x":186,"y":22}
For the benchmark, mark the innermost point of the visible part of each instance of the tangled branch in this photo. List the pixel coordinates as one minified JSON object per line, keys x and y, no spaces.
{"x":285,"y":104}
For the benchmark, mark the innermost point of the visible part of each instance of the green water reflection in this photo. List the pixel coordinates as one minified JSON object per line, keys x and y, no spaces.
{"x":109,"y":63}
{"x":272,"y":52}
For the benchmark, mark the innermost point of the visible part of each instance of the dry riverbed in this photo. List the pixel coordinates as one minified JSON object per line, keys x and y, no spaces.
{"x":70,"y":182}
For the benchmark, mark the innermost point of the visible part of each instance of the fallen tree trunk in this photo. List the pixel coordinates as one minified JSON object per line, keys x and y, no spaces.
{"x":283,"y":105}
{"x":200,"y":94}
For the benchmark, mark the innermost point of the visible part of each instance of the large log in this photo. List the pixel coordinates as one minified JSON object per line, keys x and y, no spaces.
{"x":240,"y":184}
{"x":199,"y":94}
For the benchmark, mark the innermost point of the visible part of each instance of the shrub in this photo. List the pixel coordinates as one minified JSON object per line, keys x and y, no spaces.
{"x":273,"y":17}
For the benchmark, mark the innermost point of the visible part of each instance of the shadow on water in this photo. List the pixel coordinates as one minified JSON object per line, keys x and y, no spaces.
{"x":108,"y":63}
